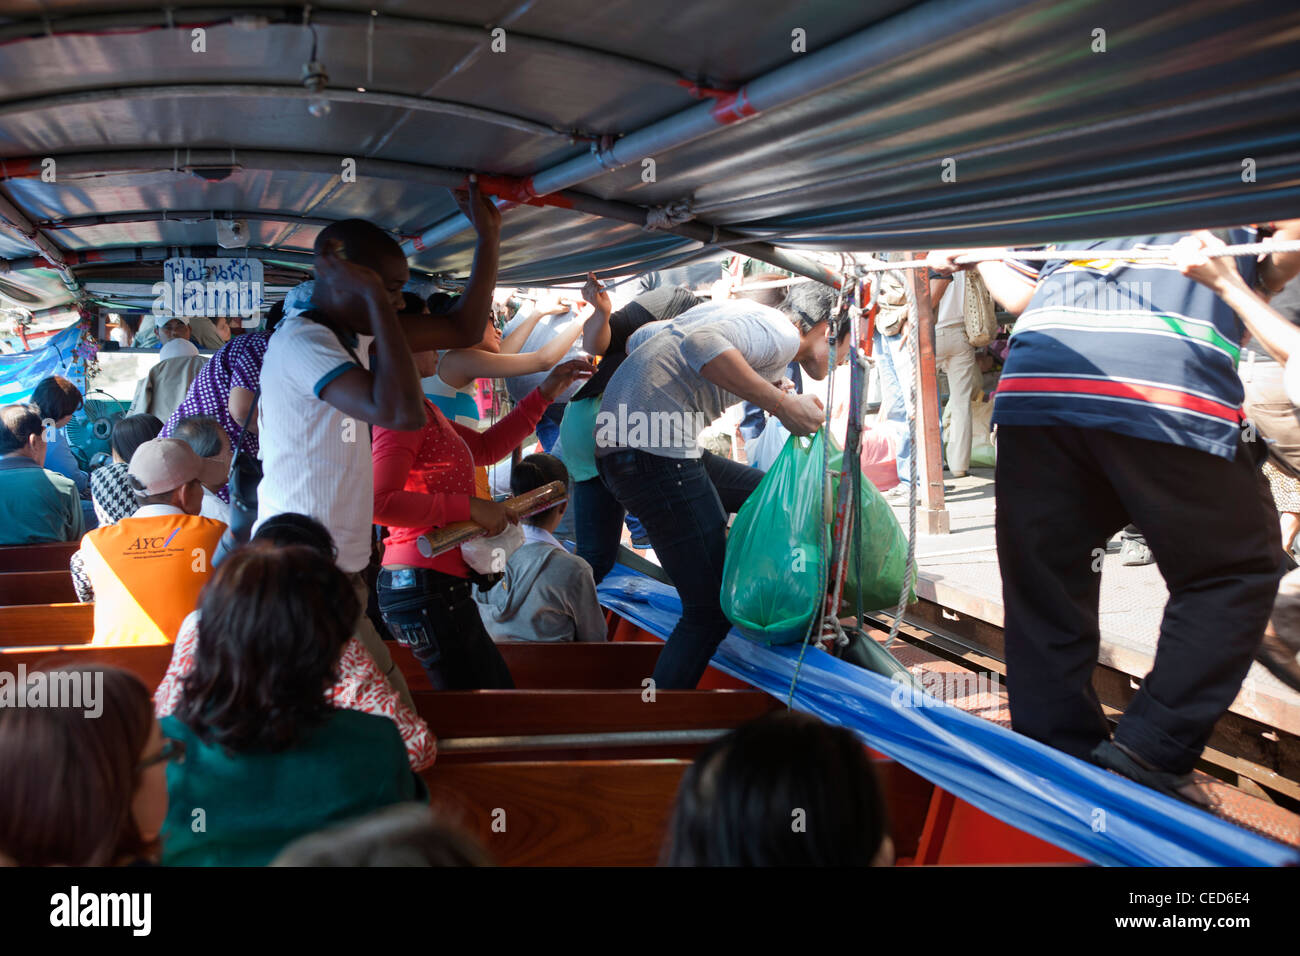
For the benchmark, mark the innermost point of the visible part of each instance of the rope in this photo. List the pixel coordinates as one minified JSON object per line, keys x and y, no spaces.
{"x":672,"y":214}
{"x":1068,"y":255}
{"x":910,"y":572}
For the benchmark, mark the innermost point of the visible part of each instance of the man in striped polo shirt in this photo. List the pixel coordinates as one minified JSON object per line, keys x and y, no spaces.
{"x":1120,"y":402}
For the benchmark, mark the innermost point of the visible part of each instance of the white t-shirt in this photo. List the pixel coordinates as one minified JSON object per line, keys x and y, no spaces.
{"x":315,"y":460}
{"x":658,"y":401}
{"x":952,"y":307}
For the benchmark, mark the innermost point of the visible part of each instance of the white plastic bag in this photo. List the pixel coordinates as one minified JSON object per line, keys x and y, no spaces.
{"x":761,"y":452}
{"x":489,"y":555}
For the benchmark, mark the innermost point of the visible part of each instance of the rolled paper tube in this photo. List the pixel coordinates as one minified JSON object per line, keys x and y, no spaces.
{"x":454,"y":535}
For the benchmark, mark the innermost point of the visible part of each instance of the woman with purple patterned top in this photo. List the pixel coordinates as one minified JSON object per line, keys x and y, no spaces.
{"x":225,"y":388}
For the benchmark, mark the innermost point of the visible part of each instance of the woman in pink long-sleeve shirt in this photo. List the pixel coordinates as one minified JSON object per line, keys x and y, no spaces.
{"x":425,"y":480}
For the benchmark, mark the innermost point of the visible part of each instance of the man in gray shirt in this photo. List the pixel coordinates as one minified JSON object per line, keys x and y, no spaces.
{"x":678,"y":377}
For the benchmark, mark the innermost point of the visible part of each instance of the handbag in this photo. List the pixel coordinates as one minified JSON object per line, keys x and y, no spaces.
{"x":245,"y":475}
{"x":891,"y":300}
{"x":981,"y":321}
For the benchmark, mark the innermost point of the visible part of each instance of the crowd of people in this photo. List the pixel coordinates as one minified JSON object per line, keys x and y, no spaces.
{"x":283,"y":713}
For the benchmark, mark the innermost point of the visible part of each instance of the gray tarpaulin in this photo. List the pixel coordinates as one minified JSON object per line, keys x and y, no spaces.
{"x":818,"y":124}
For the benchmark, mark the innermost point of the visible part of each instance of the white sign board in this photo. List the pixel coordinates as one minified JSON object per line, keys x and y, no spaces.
{"x":209,"y":287}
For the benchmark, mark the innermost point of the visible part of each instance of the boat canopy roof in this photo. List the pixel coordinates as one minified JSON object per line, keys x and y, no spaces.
{"x":127,"y":132}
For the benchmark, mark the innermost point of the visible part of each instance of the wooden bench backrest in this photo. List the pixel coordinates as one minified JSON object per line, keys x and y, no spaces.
{"x":36,"y":587}
{"x":38,"y":557}
{"x":576,"y":666}
{"x":477,"y":713}
{"x":561,"y":813}
{"x":41,"y":625}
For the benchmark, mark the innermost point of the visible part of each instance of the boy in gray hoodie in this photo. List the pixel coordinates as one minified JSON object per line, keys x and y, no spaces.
{"x":547,"y":593}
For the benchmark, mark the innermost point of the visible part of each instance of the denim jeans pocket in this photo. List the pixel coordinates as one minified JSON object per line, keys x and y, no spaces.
{"x":409,"y":616}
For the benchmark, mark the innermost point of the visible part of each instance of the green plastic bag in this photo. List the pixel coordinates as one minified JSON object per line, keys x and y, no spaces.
{"x":772,"y":578}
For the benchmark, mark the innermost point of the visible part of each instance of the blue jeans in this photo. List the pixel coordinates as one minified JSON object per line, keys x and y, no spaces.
{"x":598,"y":523}
{"x":683,"y":506}
{"x":548,"y":429}
{"x":890,"y":351}
{"x":436,"y":616}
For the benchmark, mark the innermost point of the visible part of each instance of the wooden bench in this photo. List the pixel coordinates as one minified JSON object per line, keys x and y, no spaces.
{"x":505,"y":712}
{"x":52,"y":556}
{"x":576,"y":666}
{"x":44,"y":625}
{"x":608,"y":812}
{"x":561,"y":813}
{"x":590,"y":724}
{"x":36,"y":587}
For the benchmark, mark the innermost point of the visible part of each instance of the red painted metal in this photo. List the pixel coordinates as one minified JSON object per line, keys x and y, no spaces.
{"x":734,"y":107}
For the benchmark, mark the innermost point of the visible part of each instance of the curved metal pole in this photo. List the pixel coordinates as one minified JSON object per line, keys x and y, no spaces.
{"x":39,"y":29}
{"x":875,"y":49}
{"x":186,"y":216}
{"x":180,"y":91}
{"x":76,"y":165}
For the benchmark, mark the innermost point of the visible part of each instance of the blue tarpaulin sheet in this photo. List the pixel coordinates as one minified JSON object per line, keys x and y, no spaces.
{"x":20,"y":372}
{"x":1095,"y":814}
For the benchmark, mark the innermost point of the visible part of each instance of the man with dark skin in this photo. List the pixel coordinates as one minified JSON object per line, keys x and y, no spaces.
{"x":359,"y":284}
{"x":347,"y":363}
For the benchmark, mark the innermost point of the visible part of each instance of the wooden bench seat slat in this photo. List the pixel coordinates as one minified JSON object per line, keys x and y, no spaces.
{"x":36,"y":587}
{"x":40,"y":625}
{"x":52,"y":556}
{"x":476,"y":713}
{"x":561,"y":813}
{"x":574,"y":666}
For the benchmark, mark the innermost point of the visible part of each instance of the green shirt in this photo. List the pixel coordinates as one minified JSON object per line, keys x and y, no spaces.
{"x":578,"y":437}
{"x":36,"y":504}
{"x":241,"y":809}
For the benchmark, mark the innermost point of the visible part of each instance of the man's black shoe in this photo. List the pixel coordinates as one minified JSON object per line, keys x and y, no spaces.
{"x":1111,"y":756}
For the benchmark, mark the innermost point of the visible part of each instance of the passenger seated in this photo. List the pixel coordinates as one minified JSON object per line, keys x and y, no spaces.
{"x":547,"y":593}
{"x":83,"y":785}
{"x":784,"y":790}
{"x":268,"y":758}
{"x":204,"y":434}
{"x":404,"y":835}
{"x":110,"y":486}
{"x":145,"y":572}
{"x":36,"y":504}
{"x":359,"y":685}
{"x":165,"y":386}
{"x":58,"y":400}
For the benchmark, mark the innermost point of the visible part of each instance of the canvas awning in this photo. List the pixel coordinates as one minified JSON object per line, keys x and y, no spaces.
{"x":813,"y":125}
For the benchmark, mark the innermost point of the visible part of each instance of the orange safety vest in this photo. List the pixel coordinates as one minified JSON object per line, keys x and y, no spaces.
{"x":147,"y":574}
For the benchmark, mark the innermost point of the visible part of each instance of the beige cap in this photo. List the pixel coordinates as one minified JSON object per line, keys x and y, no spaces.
{"x":164,"y":464}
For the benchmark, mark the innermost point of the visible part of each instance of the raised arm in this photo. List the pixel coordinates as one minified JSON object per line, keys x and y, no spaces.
{"x":491,"y":445}
{"x":461,"y":366}
{"x":1275,"y":333}
{"x":596,"y":333}
{"x":1012,"y":289}
{"x":1279,"y":268}
{"x":462,"y":327}
{"x":512,"y":343}
{"x":389,"y":395}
